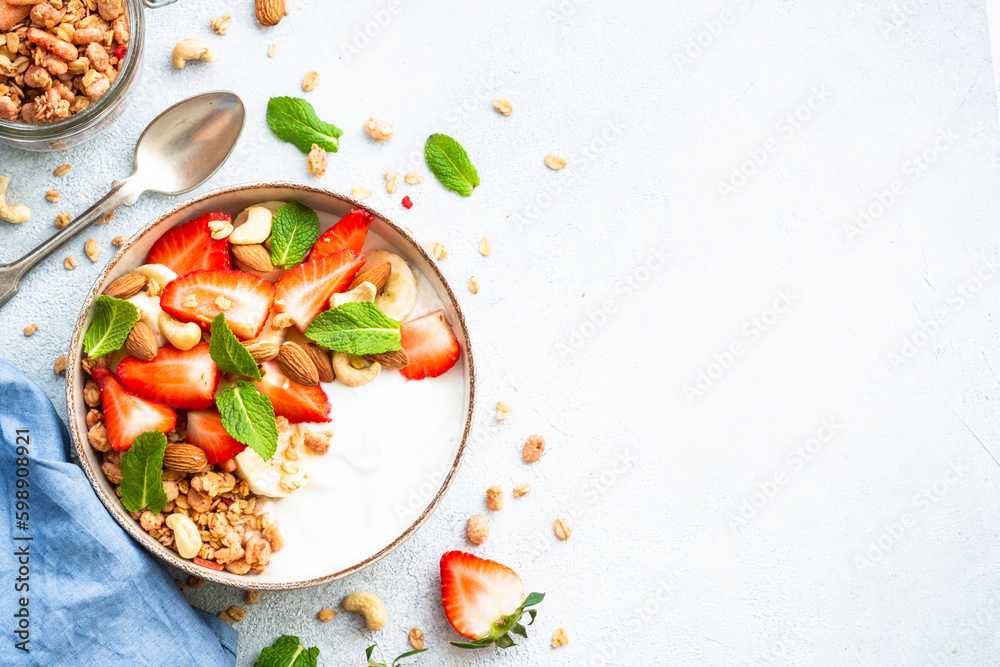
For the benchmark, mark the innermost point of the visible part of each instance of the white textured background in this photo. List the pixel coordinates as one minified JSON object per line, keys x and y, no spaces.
{"x":708,"y":528}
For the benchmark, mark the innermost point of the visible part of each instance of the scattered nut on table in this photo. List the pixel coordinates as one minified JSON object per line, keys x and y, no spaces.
{"x":60,"y":366}
{"x":416,"y":638}
{"x":93,"y":252}
{"x":477,"y":529}
{"x":485,"y":247}
{"x":30,"y":329}
{"x":8,"y":212}
{"x":326,"y":615}
{"x":368,"y":606}
{"x":311,"y":81}
{"x":192,"y":49}
{"x":69,"y":263}
{"x":473,"y":285}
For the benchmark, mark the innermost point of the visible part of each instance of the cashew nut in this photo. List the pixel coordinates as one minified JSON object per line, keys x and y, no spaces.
{"x":158,"y":274}
{"x":368,"y":606}
{"x":256,"y":229}
{"x":363,"y":292}
{"x":182,"y":335}
{"x":15,"y":214}
{"x":351,"y":376}
{"x":192,"y":49}
{"x":186,"y":535}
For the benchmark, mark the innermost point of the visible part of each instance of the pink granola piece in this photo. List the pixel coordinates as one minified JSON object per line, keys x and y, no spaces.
{"x":11,"y":15}
{"x":237,"y":566}
{"x":258,"y":551}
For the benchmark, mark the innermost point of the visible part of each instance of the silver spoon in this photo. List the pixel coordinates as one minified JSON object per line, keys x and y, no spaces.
{"x":181,"y":149}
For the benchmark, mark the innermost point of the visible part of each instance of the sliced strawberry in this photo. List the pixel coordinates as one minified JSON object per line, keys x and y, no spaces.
{"x":245,"y":298}
{"x":483,"y":599}
{"x":348,"y":234}
{"x":305,"y":291}
{"x":205,"y":429}
{"x":431,"y":346}
{"x":126,"y":415}
{"x":190,"y":247}
{"x":291,"y":400}
{"x":182,"y":380}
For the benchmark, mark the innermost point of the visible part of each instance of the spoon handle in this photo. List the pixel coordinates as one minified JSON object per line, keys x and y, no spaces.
{"x":12,"y":274}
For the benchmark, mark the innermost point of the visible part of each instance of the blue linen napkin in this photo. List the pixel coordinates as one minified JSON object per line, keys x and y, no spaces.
{"x":76,"y":590}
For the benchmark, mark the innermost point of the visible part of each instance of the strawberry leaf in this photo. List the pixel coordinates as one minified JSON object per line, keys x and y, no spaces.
{"x":450,"y":164}
{"x":293,"y":232}
{"x":502,"y":628}
{"x":355,"y":328}
{"x":142,"y":473}
{"x":248,"y":416}
{"x":113,"y":320}
{"x":372,"y":663}
{"x":228,"y":352}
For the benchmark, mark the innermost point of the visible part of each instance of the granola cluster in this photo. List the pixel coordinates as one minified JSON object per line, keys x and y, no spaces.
{"x":235,"y":534}
{"x":59,"y":57}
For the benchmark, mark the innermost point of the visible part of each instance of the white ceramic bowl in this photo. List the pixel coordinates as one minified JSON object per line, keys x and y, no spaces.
{"x":233,"y":200}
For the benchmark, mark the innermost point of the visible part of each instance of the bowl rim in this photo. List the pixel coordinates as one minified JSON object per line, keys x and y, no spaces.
{"x":132,"y":527}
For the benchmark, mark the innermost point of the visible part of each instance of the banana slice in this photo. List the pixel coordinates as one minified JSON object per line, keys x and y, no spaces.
{"x":150,"y":305}
{"x":399,"y":294}
{"x":158,"y":273}
{"x":285,"y":472}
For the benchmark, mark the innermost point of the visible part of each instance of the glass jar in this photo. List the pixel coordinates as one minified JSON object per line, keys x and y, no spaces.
{"x":98,"y":116}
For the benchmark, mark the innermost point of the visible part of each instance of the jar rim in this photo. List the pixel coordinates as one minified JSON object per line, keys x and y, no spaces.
{"x":94,"y":113}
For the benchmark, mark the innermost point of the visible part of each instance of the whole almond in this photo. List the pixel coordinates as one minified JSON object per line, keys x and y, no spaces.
{"x":141,"y":342}
{"x":397,"y":359}
{"x":254,"y":257}
{"x":126,"y":286}
{"x":376,"y":275}
{"x":261,"y":350}
{"x":183,"y":457}
{"x":297,"y":365}
{"x":269,"y":12}
{"x":324,"y":366}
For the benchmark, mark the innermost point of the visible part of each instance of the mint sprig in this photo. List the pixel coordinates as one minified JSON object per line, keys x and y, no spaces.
{"x":287,"y":651}
{"x":294,"y":230}
{"x":113,"y":320}
{"x":500,"y":634}
{"x":450,"y":164}
{"x":355,"y":328}
{"x":372,"y":663}
{"x":248,"y":416}
{"x":142,"y":473}
{"x":228,"y":352}
{"x":294,"y":120}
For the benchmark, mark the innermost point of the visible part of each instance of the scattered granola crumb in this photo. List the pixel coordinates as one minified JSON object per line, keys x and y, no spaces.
{"x":195,"y":582}
{"x":413,"y":177}
{"x":224,"y":616}
{"x":494,"y":498}
{"x":220,"y":24}
{"x":559,"y":638}
{"x":63,"y":170}
{"x":361,"y":193}
{"x":503,"y":106}
{"x":533,"y":448}
{"x":63,"y":219}
{"x":485,"y":247}
{"x":407,"y":202}
{"x":316,"y":163}
{"x":502,"y":411}
{"x":119,"y":240}
{"x":522,"y":490}
{"x":93,"y":252}
{"x":563,"y":531}
{"x":69,"y":263}
{"x":391,"y":182}
{"x":237,"y":613}
{"x":53,"y":196}
{"x":60,"y":366}
{"x":473,"y":285}
{"x":271,"y":49}
{"x":417,"y":638}
{"x":252,"y":597}
{"x":106,"y":218}
{"x":555,"y":162}
{"x":379,"y":130}
{"x":223,"y":303}
{"x":477,"y":529}
{"x":326,"y":615}
{"x":311,"y":81}
{"x":437,"y":250}
{"x":30,"y":329}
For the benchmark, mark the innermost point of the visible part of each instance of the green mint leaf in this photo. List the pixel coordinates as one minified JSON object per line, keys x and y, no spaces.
{"x":355,"y":328}
{"x":228,"y":352}
{"x":113,"y":320}
{"x":294,"y":230}
{"x":287,"y":651}
{"x":450,"y":164}
{"x":142,"y":473}
{"x":294,"y":120}
{"x":248,"y":416}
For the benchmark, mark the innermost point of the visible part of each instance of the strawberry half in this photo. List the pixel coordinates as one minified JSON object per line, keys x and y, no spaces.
{"x":295,"y":403}
{"x":205,"y":429}
{"x":126,"y":415}
{"x":182,"y":380}
{"x":484,"y":600}
{"x":431,"y":346}
{"x":348,"y":234}
{"x":195,"y":297}
{"x":304,"y":292}
{"x":190,"y":247}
